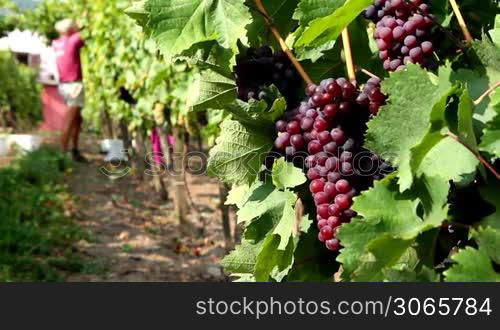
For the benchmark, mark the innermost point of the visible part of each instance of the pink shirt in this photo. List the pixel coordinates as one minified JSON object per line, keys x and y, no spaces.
{"x":67,"y":50}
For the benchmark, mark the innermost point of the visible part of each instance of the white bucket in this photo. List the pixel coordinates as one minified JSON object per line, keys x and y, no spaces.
{"x":4,"y":148}
{"x":25,"y":142}
{"x":105,"y":145}
{"x":114,"y":149}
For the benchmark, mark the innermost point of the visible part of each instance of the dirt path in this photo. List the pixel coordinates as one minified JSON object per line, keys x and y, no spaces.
{"x":134,"y":233}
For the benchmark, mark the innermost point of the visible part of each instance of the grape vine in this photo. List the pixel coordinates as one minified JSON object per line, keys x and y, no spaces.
{"x":431,"y":143}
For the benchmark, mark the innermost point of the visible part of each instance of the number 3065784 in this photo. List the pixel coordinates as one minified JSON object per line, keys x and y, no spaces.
{"x":442,"y":306}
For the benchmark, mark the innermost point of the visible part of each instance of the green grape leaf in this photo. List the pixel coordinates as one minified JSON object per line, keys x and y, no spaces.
{"x":449,"y":160}
{"x":313,"y":263}
{"x":264,"y":199}
{"x":262,"y":113}
{"x":285,"y":175}
{"x":280,"y":11}
{"x":495,"y":32}
{"x":439,"y":155}
{"x":487,"y":52}
{"x":215,"y":91}
{"x":471,"y":266}
{"x":381,"y":253}
{"x":273,"y":207}
{"x":239,"y":152}
{"x":326,"y":60}
{"x":309,"y":10}
{"x":432,"y":192}
{"x":355,"y":236}
{"x":284,"y":228}
{"x":395,"y":226}
{"x":209,"y":55}
{"x":242,"y":259}
{"x":490,"y":141}
{"x":138,"y":12}
{"x":243,"y":278}
{"x":411,"y":276}
{"x":327,"y":29}
{"x":487,"y":62}
{"x":260,"y":228}
{"x":324,"y":68}
{"x":477,"y":82}
{"x":252,"y":255}
{"x":314,"y":54}
{"x":177,"y":25}
{"x":440,"y":9}
{"x":404,"y":121}
{"x":269,"y":217}
{"x":465,"y":129}
{"x":488,"y":239}
{"x":305,"y":224}
{"x":398,"y":215}
{"x":236,"y":195}
{"x":272,"y":260}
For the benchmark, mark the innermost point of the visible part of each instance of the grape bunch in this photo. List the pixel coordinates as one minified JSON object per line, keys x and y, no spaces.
{"x":403,"y":32}
{"x":328,"y":130}
{"x":371,"y":95}
{"x":259,"y":68}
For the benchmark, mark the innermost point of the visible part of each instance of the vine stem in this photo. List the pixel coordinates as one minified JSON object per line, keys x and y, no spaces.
{"x":476,"y":154}
{"x":262,"y":10}
{"x":346,"y":41}
{"x":461,"y":21}
{"x":368,"y":73}
{"x":487,"y":93}
{"x":299,"y":214}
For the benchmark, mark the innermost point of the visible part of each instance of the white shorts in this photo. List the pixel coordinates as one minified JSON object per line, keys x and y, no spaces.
{"x":73,"y":94}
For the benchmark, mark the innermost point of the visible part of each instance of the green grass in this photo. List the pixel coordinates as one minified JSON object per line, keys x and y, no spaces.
{"x":127,"y":248}
{"x":36,"y":238}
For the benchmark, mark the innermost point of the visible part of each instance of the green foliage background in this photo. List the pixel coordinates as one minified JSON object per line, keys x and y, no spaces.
{"x":19,"y":93}
{"x":37,"y":238}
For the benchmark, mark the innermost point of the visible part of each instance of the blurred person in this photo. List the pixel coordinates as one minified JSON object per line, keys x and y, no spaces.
{"x":67,"y":48}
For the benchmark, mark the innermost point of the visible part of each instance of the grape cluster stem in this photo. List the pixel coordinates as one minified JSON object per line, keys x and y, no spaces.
{"x":476,"y":154}
{"x":368,"y":73}
{"x":487,"y":93}
{"x":351,"y":73}
{"x":461,"y":21}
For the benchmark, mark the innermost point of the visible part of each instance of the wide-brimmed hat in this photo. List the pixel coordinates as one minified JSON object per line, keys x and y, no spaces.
{"x":65,"y":25}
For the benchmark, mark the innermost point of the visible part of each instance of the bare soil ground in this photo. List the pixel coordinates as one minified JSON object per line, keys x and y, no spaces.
{"x":135,"y":232}
{"x":135,"y":237}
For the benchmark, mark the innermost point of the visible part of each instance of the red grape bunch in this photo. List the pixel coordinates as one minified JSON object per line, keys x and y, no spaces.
{"x":371,"y":95}
{"x":259,"y":68}
{"x":403,"y":32}
{"x":329,"y":129}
